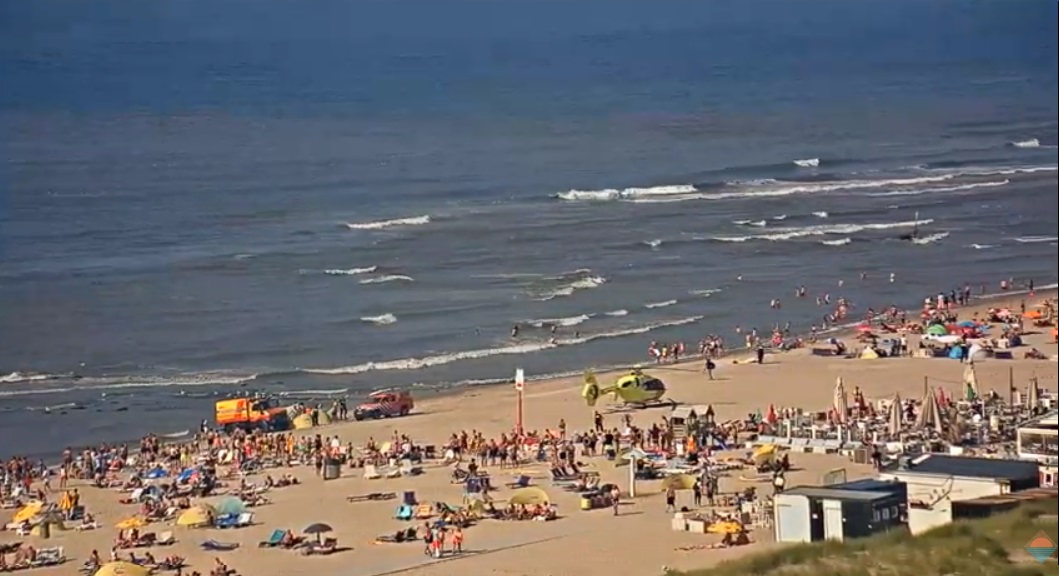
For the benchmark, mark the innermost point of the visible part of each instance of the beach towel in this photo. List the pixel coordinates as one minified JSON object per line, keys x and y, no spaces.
{"x":215,"y":546}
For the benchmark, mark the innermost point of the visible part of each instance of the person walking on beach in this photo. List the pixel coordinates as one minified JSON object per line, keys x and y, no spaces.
{"x":615,"y":497}
{"x":709,"y":368}
{"x":671,"y":499}
{"x":457,"y":541}
{"x":696,"y":494}
{"x":760,"y":354}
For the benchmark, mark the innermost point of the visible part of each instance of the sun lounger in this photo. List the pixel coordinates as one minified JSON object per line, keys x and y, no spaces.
{"x":49,"y":557}
{"x":424,"y":511}
{"x":372,"y":497}
{"x":274,"y":539}
{"x":329,"y":546}
{"x":215,"y":546}
{"x":407,"y":469}
{"x":390,"y":472}
{"x":405,"y":512}
{"x":165,"y":539}
{"x":371,"y":472}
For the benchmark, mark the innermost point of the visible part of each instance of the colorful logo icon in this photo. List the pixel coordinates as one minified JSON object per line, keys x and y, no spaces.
{"x":1041,"y":547}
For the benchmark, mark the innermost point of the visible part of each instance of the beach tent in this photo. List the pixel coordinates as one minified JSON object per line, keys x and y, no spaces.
{"x":841,"y":401}
{"x":122,"y":569}
{"x":956,"y":353}
{"x":869,"y":354}
{"x":130,"y":523}
{"x":27,"y":512}
{"x":197,"y":517}
{"x":230,"y":507}
{"x":976,"y":352}
{"x":529,"y":497}
{"x":937,"y":330}
{"x":155,"y":474}
{"x":186,"y":475}
{"x":679,"y":482}
{"x":304,"y":421}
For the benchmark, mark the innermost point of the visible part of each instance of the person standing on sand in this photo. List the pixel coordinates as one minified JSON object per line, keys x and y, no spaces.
{"x":760,"y":354}
{"x":615,"y":497}
{"x":696,"y":494}
{"x":709,"y":368}
{"x":671,"y":499}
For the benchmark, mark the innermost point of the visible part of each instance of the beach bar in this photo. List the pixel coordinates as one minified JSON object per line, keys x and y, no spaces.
{"x":813,"y":514}
{"x":1038,"y":439}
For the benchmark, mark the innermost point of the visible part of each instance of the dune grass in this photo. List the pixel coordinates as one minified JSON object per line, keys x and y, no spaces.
{"x":987,"y":547}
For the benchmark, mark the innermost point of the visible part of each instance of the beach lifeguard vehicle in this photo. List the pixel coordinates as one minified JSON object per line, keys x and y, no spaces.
{"x":385,"y":404}
{"x":247,"y":413}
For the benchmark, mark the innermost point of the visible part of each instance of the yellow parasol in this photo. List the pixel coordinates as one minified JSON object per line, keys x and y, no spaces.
{"x":27,"y":512}
{"x":130,"y":523}
{"x":196,"y":517}
{"x":529,"y":497}
{"x":122,"y":569}
{"x":726,"y":527}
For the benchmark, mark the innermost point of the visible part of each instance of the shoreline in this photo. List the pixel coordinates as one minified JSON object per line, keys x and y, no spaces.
{"x":428,"y":396}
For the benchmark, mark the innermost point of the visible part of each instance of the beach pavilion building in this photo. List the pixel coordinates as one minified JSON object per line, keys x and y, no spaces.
{"x":1038,"y":439}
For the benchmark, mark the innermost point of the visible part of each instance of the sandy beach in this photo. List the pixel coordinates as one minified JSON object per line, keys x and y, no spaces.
{"x":591,"y":543}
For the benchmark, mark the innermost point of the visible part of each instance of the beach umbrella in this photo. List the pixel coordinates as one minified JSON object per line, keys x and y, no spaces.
{"x":196,"y":517}
{"x":841,"y":401}
{"x":122,"y":569}
{"x":895,"y":416}
{"x":930,"y":413}
{"x":130,"y":523}
{"x":725,"y":527}
{"x":937,"y":330}
{"x":968,"y":324}
{"x":231,"y":507}
{"x":970,"y":381}
{"x":317,"y":528}
{"x":1035,"y":395}
{"x":529,"y":497}
{"x":27,"y":512}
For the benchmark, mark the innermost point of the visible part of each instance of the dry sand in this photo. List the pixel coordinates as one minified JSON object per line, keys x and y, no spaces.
{"x":583,"y":543}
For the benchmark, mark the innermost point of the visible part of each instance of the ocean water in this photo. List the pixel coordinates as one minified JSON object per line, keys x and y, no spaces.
{"x":338,"y":196}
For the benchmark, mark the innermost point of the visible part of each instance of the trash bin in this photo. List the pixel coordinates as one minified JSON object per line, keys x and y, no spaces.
{"x":410,"y":498}
{"x":332,"y":469}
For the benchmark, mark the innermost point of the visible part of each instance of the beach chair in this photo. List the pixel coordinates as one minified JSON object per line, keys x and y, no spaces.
{"x":405,"y":513}
{"x":522,"y":481}
{"x":407,"y":469}
{"x":215,"y":546}
{"x":226,"y":521}
{"x":390,"y":472}
{"x":245,"y":519}
{"x":49,"y":557}
{"x":274,"y":539}
{"x":371,"y":472}
{"x":134,"y":497}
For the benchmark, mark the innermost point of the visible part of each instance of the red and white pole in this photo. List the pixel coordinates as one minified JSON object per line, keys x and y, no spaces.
{"x":520,"y":389}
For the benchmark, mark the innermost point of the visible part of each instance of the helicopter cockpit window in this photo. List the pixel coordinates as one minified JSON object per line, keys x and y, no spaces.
{"x":653,"y":384}
{"x":626,"y":383}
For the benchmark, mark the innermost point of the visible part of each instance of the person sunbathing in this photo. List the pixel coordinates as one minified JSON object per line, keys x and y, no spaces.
{"x":289,"y":540}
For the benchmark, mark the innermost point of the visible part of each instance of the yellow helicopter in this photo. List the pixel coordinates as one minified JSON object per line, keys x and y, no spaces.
{"x":635,"y":390}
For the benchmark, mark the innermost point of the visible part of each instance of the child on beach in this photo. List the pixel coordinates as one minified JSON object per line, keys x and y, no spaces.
{"x":457,"y":540}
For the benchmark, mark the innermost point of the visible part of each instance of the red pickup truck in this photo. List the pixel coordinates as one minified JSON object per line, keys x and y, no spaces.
{"x":384,"y":404}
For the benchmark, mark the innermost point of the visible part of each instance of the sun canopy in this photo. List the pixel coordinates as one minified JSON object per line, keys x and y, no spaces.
{"x":937,"y":330}
{"x":27,"y":512}
{"x":679,"y":482}
{"x":197,"y":517}
{"x":122,"y":569}
{"x":230,"y":507}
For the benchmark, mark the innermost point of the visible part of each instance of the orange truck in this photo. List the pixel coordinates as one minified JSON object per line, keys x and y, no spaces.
{"x":251,"y":414}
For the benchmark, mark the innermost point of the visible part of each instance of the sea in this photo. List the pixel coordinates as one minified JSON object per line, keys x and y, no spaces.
{"x":319,"y":199}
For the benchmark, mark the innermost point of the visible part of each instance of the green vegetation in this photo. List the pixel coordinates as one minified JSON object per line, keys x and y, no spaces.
{"x":992,"y":546}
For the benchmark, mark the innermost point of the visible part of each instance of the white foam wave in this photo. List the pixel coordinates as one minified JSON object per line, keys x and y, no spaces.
{"x":781,"y":217}
{"x":807,"y":163}
{"x":704,"y":293}
{"x":617,"y":313}
{"x":664,"y":304}
{"x":515,"y":349}
{"x":383,"y":224}
{"x":1031,"y":143}
{"x":792,"y":233}
{"x":104,"y":384}
{"x":568,"y":288}
{"x":351,"y":271}
{"x":20,"y":377}
{"x":611,"y":194}
{"x":381,"y":320}
{"x":1035,"y":239}
{"x":960,"y":188}
{"x":931,"y":238}
{"x":982,"y":246}
{"x":839,"y":242}
{"x":821,"y":214}
{"x":562,"y":322}
{"x":388,"y":278}
{"x":656,"y":243}
{"x":751,"y":223}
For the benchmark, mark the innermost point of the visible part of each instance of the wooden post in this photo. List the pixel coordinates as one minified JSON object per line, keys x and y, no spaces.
{"x":926,"y":386}
{"x":1011,"y":386}
{"x":520,"y":390}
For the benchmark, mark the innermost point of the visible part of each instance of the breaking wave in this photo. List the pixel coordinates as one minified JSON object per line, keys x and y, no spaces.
{"x":664,"y":304}
{"x":982,"y":246}
{"x":561,"y":322}
{"x":617,"y":313}
{"x":381,"y":320}
{"x":807,"y":163}
{"x":20,"y":377}
{"x":704,"y":293}
{"x":566,"y":285}
{"x":514,"y":349}
{"x":839,"y":242}
{"x":383,"y":224}
{"x":821,"y":214}
{"x":751,"y":223}
{"x":845,"y":229}
{"x":351,"y":271}
{"x":931,"y":238}
{"x":388,"y":278}
{"x":611,"y":194}
{"x":960,"y":188}
{"x":1031,"y":143}
{"x":1035,"y":239}
{"x":656,"y":243}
